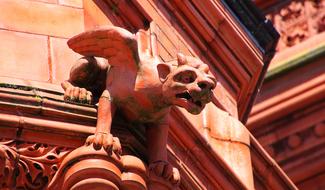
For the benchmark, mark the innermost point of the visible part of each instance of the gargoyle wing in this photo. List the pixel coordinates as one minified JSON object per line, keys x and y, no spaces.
{"x":117,"y":45}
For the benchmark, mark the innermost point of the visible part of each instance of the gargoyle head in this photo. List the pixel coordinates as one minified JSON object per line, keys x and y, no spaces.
{"x":186,"y":83}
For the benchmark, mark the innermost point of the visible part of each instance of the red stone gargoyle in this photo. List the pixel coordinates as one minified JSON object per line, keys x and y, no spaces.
{"x":139,"y":84}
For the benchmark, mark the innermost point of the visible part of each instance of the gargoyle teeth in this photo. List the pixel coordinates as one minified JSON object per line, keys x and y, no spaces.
{"x":184,"y":95}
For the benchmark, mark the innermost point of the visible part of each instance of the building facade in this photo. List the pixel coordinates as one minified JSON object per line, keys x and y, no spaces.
{"x":42,"y":136}
{"x":288,"y":116}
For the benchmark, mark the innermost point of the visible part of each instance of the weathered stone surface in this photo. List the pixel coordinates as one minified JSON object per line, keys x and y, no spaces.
{"x":41,"y":18}
{"x":20,"y":49}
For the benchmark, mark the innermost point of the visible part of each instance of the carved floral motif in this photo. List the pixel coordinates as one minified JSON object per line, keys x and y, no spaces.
{"x":28,"y":165}
{"x":298,"y":21}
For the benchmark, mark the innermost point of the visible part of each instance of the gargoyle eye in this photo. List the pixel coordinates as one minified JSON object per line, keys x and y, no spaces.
{"x":185,"y":77}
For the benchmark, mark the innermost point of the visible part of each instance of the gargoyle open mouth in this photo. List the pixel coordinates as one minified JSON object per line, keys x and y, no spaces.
{"x":186,"y":95}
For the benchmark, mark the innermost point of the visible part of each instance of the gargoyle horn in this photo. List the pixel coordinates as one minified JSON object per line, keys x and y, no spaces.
{"x":181,"y":59}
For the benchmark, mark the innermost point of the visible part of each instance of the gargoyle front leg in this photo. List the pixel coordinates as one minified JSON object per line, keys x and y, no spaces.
{"x":103,"y":137}
{"x":157,"y":153}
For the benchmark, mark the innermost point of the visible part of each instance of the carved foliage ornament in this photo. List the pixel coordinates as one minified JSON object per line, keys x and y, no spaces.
{"x":298,"y":21}
{"x":28,"y":165}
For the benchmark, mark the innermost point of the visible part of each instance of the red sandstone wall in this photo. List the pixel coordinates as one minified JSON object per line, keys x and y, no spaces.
{"x":33,"y":35}
{"x":289,"y":113}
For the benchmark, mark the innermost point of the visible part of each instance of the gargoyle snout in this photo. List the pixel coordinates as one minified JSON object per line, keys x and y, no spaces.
{"x":206,"y":84}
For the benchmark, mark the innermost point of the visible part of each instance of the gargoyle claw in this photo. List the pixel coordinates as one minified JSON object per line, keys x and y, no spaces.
{"x":165,"y":170}
{"x":105,"y":140}
{"x":76,"y":94}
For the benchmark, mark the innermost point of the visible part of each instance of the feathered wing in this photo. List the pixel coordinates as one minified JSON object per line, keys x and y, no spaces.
{"x":117,"y":45}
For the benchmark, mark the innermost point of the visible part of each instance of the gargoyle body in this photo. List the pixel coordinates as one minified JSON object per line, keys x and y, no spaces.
{"x":135,"y":81}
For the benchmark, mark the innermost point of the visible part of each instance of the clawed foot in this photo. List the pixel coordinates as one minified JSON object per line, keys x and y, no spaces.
{"x":105,"y":140}
{"x":76,"y":94}
{"x":165,"y":170}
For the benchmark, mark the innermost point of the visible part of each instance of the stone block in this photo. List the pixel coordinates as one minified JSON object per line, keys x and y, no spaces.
{"x":23,"y":56}
{"x":41,"y":18}
{"x":62,"y":58}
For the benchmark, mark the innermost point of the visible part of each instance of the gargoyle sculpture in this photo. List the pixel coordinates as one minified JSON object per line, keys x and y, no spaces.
{"x":139,"y":84}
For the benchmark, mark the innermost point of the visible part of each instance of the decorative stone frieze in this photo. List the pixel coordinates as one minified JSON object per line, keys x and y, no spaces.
{"x":28,"y":165}
{"x":298,"y":21}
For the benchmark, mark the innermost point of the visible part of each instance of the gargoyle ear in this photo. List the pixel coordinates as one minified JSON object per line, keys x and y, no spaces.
{"x":163,"y":71}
